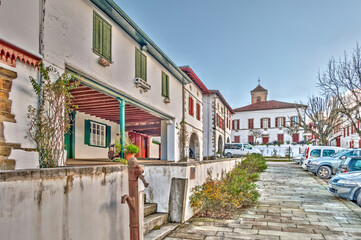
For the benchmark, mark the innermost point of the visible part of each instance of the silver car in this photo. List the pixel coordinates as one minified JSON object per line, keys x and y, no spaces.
{"x":346,"y":185}
{"x":325,"y":167}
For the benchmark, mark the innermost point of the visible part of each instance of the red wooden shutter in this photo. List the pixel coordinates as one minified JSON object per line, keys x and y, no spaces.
{"x":198,"y":111}
{"x":269,"y":122}
{"x":190,"y":105}
{"x":238,"y":124}
{"x":233,"y":124}
{"x":261,"y":122}
{"x":284,"y":122}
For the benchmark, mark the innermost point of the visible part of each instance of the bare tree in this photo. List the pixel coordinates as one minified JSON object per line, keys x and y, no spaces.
{"x":342,"y":82}
{"x":320,"y":118}
{"x":256,"y":134}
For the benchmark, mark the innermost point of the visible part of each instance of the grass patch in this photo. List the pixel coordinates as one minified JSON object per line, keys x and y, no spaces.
{"x":224,"y":198}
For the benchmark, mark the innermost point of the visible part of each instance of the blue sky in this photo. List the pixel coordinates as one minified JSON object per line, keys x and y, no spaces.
{"x":231,"y":43}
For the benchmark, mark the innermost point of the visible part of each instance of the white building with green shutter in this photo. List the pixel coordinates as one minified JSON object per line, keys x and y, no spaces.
{"x":128,"y":84}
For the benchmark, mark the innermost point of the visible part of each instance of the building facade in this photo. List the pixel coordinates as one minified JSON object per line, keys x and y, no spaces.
{"x":266,"y":121}
{"x":19,"y":56}
{"x":193,"y":115}
{"x":217,"y":123}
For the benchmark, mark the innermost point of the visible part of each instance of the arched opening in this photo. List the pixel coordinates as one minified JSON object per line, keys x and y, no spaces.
{"x":194,"y":151}
{"x":220,"y":144}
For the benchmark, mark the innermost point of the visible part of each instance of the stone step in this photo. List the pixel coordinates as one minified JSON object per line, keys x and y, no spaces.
{"x":162,"y":232}
{"x":149,"y":208}
{"x":154,"y":220}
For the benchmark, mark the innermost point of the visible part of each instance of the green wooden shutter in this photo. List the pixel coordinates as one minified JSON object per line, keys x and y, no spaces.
{"x":97,"y":34}
{"x":144,"y":67}
{"x":167,"y":85}
{"x":108,"y":136}
{"x":107,"y":41}
{"x":164,"y":84}
{"x":138,"y":54}
{"x":87,"y":132}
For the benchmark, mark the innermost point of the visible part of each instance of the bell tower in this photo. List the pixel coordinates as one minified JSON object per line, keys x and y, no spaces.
{"x":259,"y":94}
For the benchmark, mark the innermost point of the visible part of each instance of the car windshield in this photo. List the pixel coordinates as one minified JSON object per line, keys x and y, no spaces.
{"x":339,"y":154}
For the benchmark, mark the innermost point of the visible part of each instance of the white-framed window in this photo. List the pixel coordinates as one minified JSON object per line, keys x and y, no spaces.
{"x":280,"y":122}
{"x":294,"y":119}
{"x":265,"y":123}
{"x":97,"y":134}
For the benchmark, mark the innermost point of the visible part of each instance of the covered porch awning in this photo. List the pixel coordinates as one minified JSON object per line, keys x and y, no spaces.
{"x":96,"y":103}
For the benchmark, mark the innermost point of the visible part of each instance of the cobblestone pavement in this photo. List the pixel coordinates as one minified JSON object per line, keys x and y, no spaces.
{"x":294,"y":204}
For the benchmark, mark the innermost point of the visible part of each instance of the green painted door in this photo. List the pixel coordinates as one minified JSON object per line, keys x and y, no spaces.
{"x":69,"y":140}
{"x":69,"y":144}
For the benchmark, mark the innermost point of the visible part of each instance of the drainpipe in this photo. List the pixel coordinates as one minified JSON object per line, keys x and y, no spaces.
{"x":183,"y":120}
{"x":121,"y":124}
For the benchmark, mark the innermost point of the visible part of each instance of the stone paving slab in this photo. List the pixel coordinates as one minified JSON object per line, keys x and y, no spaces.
{"x":294,"y":204}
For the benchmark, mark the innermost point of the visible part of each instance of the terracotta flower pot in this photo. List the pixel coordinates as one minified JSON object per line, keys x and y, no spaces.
{"x":127,"y":156}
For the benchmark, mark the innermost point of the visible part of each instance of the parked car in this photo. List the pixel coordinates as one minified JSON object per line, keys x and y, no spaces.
{"x":350,"y":164}
{"x":238,"y":149}
{"x":318,"y":152}
{"x":298,"y":157}
{"x":346,"y":185}
{"x":325,"y":167}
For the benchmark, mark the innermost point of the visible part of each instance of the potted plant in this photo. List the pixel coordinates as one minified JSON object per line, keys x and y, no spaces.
{"x":131,"y":151}
{"x":218,"y":154}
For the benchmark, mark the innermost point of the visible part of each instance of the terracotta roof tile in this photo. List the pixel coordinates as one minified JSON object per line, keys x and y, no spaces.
{"x":259,"y":88}
{"x":189,"y":71}
{"x":265,"y":105}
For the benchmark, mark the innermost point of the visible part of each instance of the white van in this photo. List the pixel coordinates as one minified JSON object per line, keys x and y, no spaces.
{"x":318,"y":152}
{"x":239,"y":149}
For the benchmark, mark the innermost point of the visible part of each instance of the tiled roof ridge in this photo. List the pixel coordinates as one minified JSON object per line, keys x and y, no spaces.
{"x":192,"y":75}
{"x":265,"y":105}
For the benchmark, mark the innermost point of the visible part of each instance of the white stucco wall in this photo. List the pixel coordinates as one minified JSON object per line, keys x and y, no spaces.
{"x":243,"y":117}
{"x":69,"y":40}
{"x":213,"y":106}
{"x":22,"y":95}
{"x":160,"y":178}
{"x":66,"y":203}
{"x":85,"y":151}
{"x":19,"y":24}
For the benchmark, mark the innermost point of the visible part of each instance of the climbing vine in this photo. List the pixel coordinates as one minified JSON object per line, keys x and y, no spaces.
{"x":51,"y":118}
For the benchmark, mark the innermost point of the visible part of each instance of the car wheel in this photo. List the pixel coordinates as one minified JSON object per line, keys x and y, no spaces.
{"x":229,"y":155}
{"x":358,"y":198}
{"x":324,"y":172}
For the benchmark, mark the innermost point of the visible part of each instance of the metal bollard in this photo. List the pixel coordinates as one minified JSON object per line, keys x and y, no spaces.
{"x":134,"y":172}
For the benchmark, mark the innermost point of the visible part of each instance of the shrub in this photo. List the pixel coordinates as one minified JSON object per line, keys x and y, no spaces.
{"x":120,"y":160}
{"x":235,"y":191}
{"x":131,"y":148}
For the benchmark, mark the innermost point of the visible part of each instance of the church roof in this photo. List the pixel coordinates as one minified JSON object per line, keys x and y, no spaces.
{"x":267,"y":105}
{"x":259,"y":88}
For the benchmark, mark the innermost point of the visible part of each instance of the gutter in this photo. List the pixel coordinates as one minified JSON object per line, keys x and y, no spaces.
{"x":123,"y":20}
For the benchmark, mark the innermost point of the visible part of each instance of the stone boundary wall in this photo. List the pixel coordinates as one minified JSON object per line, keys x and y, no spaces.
{"x":65,"y":203}
{"x":160,"y":177}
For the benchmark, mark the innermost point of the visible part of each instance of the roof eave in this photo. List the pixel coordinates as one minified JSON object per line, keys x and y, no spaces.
{"x":123,"y":20}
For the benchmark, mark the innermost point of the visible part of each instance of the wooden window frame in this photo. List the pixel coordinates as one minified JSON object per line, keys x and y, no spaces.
{"x":250,"y":123}
{"x":100,"y":50}
{"x":87,"y":133}
{"x":140,"y":65}
{"x":198,"y":111}
{"x":191,"y":106}
{"x":165,"y":85}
